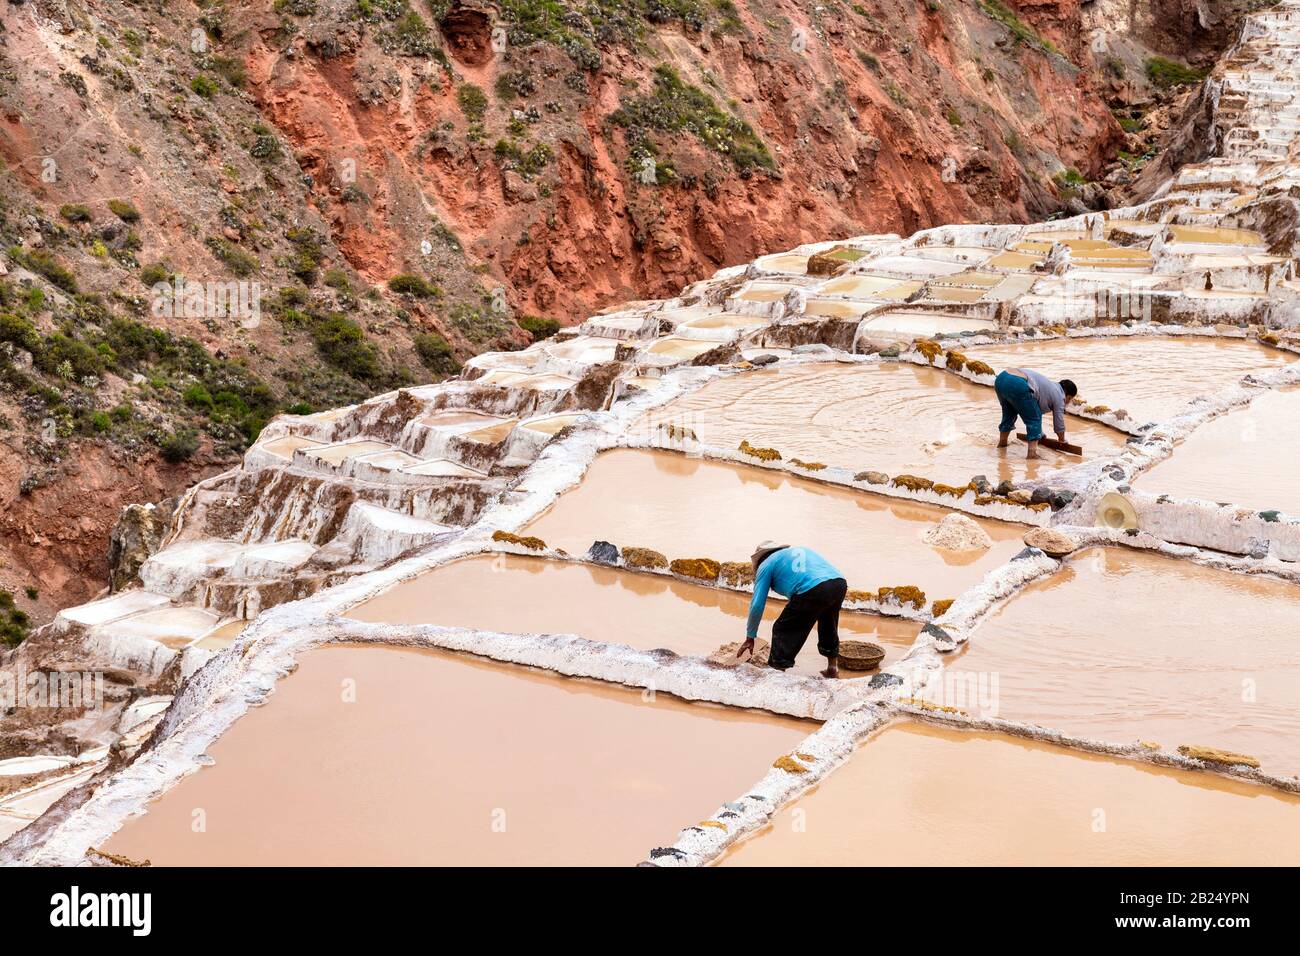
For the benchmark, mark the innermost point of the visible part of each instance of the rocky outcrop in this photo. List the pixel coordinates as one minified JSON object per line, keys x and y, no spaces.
{"x":139,"y":532}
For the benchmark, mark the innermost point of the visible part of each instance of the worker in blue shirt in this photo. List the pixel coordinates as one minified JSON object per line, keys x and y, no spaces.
{"x":814,"y":591}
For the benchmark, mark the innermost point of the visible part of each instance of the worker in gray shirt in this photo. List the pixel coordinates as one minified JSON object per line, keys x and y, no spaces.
{"x":1027,"y":393}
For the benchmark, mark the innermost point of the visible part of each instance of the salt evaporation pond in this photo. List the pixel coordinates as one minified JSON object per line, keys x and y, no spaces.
{"x":1126,"y":646}
{"x":1246,"y":457}
{"x":448,"y":759}
{"x":1152,"y":378}
{"x":893,"y":417}
{"x":525,"y":595}
{"x":690,"y":507}
{"x":917,"y":795}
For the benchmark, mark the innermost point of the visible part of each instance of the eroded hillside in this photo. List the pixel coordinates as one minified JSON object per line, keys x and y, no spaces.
{"x":394,"y":186}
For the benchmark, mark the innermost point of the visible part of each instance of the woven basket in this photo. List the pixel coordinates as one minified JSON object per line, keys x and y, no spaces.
{"x":860,"y":655}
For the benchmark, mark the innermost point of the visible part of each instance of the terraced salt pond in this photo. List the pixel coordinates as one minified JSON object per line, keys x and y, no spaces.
{"x":444,"y":759}
{"x":1245,"y":457}
{"x":532,"y":595}
{"x":20,"y":810}
{"x":1152,"y":379}
{"x":917,"y":795}
{"x":893,"y":417}
{"x":1127,"y":646}
{"x":690,"y":507}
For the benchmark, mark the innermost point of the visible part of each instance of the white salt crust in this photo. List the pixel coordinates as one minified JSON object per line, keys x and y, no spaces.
{"x":221,"y":686}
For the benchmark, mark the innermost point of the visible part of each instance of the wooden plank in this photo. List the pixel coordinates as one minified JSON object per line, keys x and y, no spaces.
{"x":1053,"y":444}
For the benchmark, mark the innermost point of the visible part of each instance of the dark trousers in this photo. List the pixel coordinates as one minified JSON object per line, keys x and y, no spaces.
{"x":818,"y":605}
{"x":1017,"y":398}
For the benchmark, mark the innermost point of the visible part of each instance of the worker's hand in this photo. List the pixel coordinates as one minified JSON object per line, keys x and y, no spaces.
{"x":1060,"y":436}
{"x":747,"y":646}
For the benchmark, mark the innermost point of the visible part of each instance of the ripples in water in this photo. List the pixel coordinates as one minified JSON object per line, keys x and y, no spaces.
{"x":895,"y":418}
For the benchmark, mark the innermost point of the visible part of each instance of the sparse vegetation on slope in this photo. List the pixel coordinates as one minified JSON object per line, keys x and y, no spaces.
{"x":675,"y":106}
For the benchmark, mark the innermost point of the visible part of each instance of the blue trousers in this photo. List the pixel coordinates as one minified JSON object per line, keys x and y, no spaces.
{"x":1017,"y":398}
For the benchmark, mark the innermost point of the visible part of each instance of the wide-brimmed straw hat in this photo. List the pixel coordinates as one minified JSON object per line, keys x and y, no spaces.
{"x":763,"y":550}
{"x":1116,"y":511}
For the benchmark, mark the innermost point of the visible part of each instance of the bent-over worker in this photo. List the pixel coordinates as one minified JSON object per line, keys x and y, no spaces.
{"x":1024,"y":392}
{"x":814,"y":591}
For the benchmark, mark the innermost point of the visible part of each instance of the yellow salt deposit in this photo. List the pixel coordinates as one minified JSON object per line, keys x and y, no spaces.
{"x":896,"y":418}
{"x":722,"y":510}
{"x":600,"y":604}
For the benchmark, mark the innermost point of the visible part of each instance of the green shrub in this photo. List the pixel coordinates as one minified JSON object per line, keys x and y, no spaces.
{"x":473,"y":101}
{"x":514,"y":83}
{"x":1166,"y":74}
{"x":479,"y":325}
{"x":239,"y":400}
{"x":196,"y":396}
{"x":529,"y":162}
{"x":292,"y":295}
{"x":239,"y":262}
{"x":154,"y":273}
{"x":16,"y":329}
{"x":62,"y":354}
{"x":410,"y":35}
{"x":343,"y":344}
{"x":14,"y":624}
{"x":180,"y":445}
{"x":307,"y":254}
{"x":535,"y":160}
{"x":435,"y":352}
{"x":338,"y":279}
{"x":300,"y":408}
{"x":265,"y":144}
{"x":204,"y":86}
{"x":538,"y":326}
{"x":627,"y":21}
{"x":1019,"y":29}
{"x":674,"y":106}
{"x":123,"y":210}
{"x":410,"y":284}
{"x":44,"y":264}
{"x":75,"y":212}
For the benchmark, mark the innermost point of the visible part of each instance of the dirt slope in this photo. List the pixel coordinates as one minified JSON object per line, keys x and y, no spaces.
{"x":398,"y":185}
